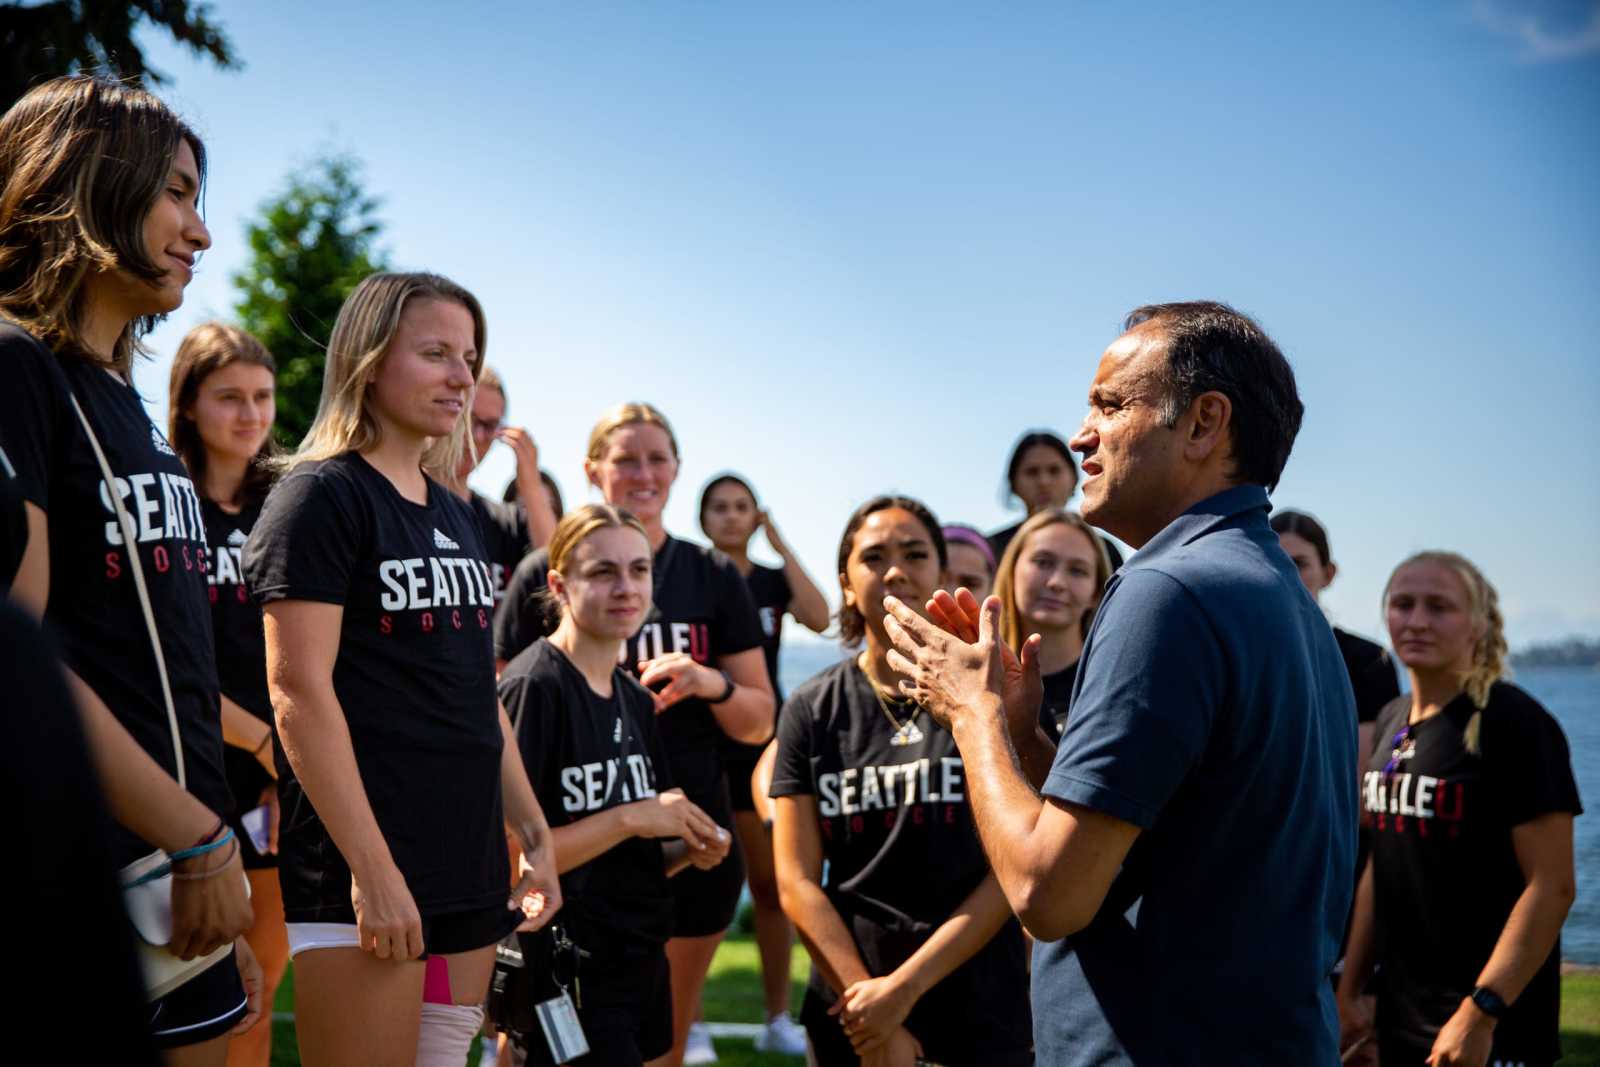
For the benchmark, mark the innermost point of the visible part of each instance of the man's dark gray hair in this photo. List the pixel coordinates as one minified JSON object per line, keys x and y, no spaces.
{"x":1213,"y":348}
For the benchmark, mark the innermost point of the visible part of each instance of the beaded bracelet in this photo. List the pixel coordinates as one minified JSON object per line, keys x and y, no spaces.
{"x":201,"y":850}
{"x":211,"y":872}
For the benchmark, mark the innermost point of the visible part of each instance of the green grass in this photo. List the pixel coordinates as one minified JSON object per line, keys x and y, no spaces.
{"x":733,"y":994}
{"x":1580,"y":1020}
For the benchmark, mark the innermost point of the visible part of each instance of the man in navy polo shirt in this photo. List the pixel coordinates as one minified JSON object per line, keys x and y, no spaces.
{"x":1187,"y":870}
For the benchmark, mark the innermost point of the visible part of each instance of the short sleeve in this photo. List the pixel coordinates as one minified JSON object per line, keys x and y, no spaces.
{"x":537,"y":733}
{"x":791,"y":771}
{"x":1375,"y":684}
{"x":33,"y":409}
{"x":520,"y":620}
{"x":1152,"y":682}
{"x":738,"y":624}
{"x":307,"y":542}
{"x":1530,"y":764}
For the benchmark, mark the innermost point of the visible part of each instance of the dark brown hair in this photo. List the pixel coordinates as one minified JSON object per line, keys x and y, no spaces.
{"x":82,"y":160}
{"x":205,"y":350}
{"x":852,"y":625}
{"x":1302,"y":525}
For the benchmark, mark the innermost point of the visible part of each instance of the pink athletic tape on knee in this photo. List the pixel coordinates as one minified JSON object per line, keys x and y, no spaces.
{"x":436,"y":982}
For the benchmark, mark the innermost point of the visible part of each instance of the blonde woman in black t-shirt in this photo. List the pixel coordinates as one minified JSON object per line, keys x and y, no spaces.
{"x":1469,"y":797}
{"x":1049,"y":583}
{"x":587,"y":731}
{"x":400,"y":767}
{"x":700,"y":649}
{"x":915,"y":951}
{"x":99,"y":231}
{"x":221,"y":403}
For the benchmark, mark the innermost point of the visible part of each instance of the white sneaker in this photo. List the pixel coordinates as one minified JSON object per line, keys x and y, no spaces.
{"x":782,"y":1035}
{"x":698,"y":1050}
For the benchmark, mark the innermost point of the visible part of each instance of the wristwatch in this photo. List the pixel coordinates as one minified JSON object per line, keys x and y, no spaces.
{"x":726,"y":693}
{"x":1489,"y":1002}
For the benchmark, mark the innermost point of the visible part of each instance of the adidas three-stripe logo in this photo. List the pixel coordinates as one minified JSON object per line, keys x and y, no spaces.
{"x":441,"y":541}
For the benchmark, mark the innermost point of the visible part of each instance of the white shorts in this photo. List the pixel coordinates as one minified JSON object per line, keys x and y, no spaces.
{"x":306,"y":936}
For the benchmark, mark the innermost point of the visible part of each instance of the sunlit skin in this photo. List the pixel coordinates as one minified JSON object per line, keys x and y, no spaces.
{"x":636,"y":470}
{"x":731,"y":516}
{"x":1055,"y":584}
{"x":174,"y":237}
{"x":1429,"y":613}
{"x":1044,"y":479}
{"x":891,"y":553}
{"x":1138,"y":474}
{"x":233,"y":411}
{"x":1303,"y":553}
{"x":969,"y":570}
{"x":605,"y":590}
{"x":423,"y":385}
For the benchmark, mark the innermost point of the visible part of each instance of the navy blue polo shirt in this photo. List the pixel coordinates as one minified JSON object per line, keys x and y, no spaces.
{"x":1213,"y":711}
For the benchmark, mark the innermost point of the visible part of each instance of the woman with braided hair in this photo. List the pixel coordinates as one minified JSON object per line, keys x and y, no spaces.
{"x":1469,"y":797}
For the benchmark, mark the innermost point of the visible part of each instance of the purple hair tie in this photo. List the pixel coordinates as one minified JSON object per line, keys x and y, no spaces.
{"x":968,"y":536}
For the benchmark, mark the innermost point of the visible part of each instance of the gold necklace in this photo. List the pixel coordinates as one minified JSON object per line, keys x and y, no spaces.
{"x":905,"y":733}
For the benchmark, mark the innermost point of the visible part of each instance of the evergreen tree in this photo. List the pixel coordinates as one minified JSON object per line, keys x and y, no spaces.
{"x":311,"y":245}
{"x":41,"y":41}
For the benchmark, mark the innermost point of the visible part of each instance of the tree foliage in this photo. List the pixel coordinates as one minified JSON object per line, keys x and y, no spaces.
{"x":310,"y":246}
{"x":41,"y":41}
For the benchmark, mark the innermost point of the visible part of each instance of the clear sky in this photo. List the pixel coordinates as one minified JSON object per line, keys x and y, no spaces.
{"x":853,"y":248}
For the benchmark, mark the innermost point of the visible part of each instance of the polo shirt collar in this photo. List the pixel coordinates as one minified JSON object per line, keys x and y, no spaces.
{"x":1205,"y":516}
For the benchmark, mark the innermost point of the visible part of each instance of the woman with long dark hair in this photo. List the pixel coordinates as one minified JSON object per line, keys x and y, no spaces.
{"x":730,"y":516}
{"x":1041,"y":475}
{"x":99,"y":231}
{"x":916,"y":954}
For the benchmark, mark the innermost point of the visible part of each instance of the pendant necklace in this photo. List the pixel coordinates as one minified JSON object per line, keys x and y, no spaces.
{"x":905,"y":733}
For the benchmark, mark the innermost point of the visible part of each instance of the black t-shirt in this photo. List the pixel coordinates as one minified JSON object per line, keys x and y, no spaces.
{"x":769,"y":588}
{"x":1001,"y":538}
{"x":901,"y":848}
{"x":586,"y":754}
{"x":62,"y":890}
{"x":94,"y":604}
{"x":1445,"y":872}
{"x":701,"y":606}
{"x":1057,"y":699}
{"x":505,"y":537}
{"x":414,"y":676}
{"x":1372,"y":673}
{"x":241,"y":645}
{"x":13,"y":524}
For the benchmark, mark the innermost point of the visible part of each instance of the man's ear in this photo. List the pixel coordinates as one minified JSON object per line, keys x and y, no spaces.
{"x":1211,"y":417}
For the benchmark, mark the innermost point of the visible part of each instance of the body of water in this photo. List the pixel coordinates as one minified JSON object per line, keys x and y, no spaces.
{"x":1571,"y":694}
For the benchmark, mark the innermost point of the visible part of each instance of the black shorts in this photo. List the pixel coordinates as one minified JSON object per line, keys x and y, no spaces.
{"x":1398,"y":1053}
{"x":626,"y":1013}
{"x":705,"y":902}
{"x":740,"y":763}
{"x":206,"y":1006}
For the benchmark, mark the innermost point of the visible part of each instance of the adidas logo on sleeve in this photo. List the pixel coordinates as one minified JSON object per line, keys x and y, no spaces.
{"x":441,"y":541}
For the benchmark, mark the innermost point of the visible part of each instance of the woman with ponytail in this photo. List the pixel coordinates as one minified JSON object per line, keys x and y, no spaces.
{"x":1469,"y":797}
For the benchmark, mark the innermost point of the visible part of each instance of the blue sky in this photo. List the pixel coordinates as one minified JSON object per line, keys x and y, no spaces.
{"x":851,"y":248}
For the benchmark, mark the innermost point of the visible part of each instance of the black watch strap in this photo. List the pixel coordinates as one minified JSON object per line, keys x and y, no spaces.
{"x":726,"y":693}
{"x":1489,"y":1002}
